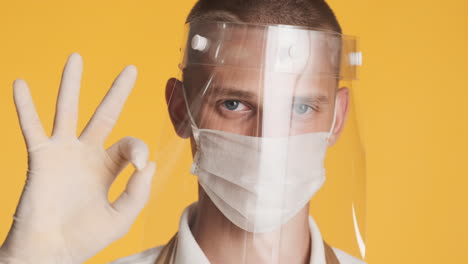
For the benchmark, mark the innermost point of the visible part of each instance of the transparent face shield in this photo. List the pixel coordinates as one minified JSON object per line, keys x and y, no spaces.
{"x":260,"y":116}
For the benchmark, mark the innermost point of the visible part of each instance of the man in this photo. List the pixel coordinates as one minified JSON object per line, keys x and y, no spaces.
{"x":259,"y":121}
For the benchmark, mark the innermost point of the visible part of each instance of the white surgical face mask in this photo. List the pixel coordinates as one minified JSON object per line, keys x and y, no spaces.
{"x":259,"y":183}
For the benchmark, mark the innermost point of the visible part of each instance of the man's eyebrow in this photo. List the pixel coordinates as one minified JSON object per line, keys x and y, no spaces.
{"x":314,"y":98}
{"x":231,"y":92}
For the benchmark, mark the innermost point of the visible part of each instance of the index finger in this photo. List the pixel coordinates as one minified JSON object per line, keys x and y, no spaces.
{"x":106,"y":115}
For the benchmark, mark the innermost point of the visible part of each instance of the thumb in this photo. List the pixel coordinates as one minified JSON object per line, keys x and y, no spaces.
{"x":129,"y":149}
{"x":137,"y":192}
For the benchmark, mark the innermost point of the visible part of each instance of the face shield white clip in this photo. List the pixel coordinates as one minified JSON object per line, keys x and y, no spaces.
{"x":200,"y":43}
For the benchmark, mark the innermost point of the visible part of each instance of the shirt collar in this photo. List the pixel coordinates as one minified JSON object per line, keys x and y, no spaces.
{"x":188,"y":251}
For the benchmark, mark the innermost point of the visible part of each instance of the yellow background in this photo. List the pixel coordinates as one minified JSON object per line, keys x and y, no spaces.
{"x":412,"y":97}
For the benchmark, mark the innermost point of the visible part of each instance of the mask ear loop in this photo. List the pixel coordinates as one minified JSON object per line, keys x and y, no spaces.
{"x":195,"y":131}
{"x":330,"y":133}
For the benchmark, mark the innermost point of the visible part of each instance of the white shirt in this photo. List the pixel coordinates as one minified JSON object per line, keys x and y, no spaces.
{"x":188,"y":251}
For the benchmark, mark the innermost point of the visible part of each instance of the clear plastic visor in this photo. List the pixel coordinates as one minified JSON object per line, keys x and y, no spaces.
{"x":261,"y":106}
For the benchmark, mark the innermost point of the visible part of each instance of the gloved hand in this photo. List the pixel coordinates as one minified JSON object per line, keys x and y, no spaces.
{"x":64,"y":215}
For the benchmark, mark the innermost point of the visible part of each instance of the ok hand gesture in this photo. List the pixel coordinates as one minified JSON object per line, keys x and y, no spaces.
{"x":64,"y":215}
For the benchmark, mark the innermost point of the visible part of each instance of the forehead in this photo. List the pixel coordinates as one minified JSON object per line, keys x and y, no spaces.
{"x":202,"y":80}
{"x":261,"y":58}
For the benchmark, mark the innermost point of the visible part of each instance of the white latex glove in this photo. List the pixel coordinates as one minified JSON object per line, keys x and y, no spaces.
{"x":64,"y":215}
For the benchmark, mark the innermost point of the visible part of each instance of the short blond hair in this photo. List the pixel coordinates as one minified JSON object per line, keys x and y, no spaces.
{"x":308,"y":13}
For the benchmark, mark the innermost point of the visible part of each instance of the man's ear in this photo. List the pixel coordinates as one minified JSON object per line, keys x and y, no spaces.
{"x":342,"y":109}
{"x":176,"y":108}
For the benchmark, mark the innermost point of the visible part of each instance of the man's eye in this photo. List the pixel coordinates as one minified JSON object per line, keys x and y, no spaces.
{"x":233,"y":105}
{"x":301,"y":109}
